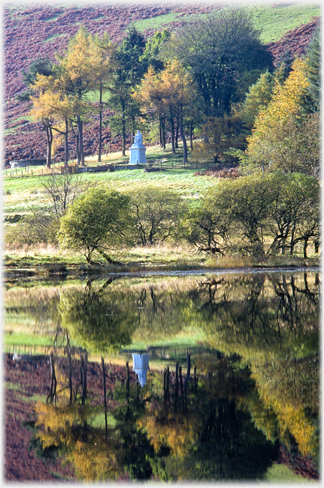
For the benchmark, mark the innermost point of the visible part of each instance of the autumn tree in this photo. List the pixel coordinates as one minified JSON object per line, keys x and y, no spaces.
{"x":42,"y":66}
{"x":69,"y":428}
{"x":169,"y":93}
{"x":76,"y":71}
{"x":150,"y":95}
{"x":273,"y":144}
{"x":103,"y":74}
{"x":52,"y":107}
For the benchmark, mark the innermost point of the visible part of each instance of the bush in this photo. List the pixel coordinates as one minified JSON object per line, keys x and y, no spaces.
{"x":95,"y":221}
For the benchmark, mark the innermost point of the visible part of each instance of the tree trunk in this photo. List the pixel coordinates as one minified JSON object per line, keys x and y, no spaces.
{"x":66,"y":144}
{"x":160,"y":131}
{"x":292,"y":243}
{"x":84,"y":361}
{"x":181,"y":384}
{"x":124,"y":134}
{"x":176,"y":389}
{"x":172,"y":135}
{"x":70,"y":376}
{"x":49,"y":136}
{"x":185,"y":151}
{"x":305,"y":247}
{"x":187,"y":378}
{"x":52,"y":394}
{"x":164,"y":138}
{"x":80,"y":131}
{"x":177,"y":133}
{"x":105,"y":393}
{"x":100,"y":123}
{"x":78,"y":148}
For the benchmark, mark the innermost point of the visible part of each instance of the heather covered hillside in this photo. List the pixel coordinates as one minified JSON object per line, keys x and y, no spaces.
{"x":44,"y":30}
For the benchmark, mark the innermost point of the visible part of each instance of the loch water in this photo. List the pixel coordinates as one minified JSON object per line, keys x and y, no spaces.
{"x":232,"y":386}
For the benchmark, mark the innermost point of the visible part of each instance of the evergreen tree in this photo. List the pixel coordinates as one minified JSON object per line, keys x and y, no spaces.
{"x":313,"y":97}
{"x":128,"y":73}
{"x":153,"y":48}
{"x":41,"y":66}
{"x":257,"y":99}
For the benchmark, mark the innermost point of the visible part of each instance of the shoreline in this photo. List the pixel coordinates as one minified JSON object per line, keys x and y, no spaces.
{"x":61,"y":270}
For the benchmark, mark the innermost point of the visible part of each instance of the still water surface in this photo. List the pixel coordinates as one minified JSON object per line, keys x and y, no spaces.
{"x":253,"y":388}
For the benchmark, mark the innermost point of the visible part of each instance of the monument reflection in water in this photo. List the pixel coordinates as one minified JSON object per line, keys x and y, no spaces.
{"x":141,"y":367}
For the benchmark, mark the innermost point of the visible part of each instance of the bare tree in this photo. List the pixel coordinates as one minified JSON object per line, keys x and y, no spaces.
{"x":62,"y":190}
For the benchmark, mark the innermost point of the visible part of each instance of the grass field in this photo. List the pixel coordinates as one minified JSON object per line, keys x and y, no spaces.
{"x":24,"y":194}
{"x":272,"y":21}
{"x":24,"y":191}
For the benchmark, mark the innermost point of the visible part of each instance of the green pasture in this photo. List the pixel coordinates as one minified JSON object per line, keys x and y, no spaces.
{"x":27,"y":339}
{"x":158,"y":22}
{"x":24,"y":192}
{"x":272,"y":22}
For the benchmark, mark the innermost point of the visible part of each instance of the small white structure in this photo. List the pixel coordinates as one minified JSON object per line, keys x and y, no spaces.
{"x":141,"y":367}
{"x":137,"y":150}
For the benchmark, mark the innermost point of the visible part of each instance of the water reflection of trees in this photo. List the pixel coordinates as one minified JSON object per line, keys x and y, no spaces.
{"x":97,"y":320}
{"x":265,"y":313}
{"x":274,"y":325}
{"x":38,"y":305}
{"x":261,"y":315}
{"x":270,"y":321}
{"x":206,"y":435}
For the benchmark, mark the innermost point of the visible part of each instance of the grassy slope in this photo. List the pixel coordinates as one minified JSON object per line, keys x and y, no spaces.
{"x":25,"y":194}
{"x":273,"y":22}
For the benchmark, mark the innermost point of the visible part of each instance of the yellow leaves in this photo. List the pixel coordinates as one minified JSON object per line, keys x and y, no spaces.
{"x":87,"y":448}
{"x":93,"y":461}
{"x":169,"y":88}
{"x":63,"y":94}
{"x":294,"y":419}
{"x":285,"y":103}
{"x":172,"y":430}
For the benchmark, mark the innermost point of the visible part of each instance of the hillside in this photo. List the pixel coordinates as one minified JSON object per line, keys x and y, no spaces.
{"x":35,"y":31}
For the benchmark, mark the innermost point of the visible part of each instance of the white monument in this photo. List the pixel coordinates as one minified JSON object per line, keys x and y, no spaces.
{"x":141,"y":367}
{"x":137,"y":150}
